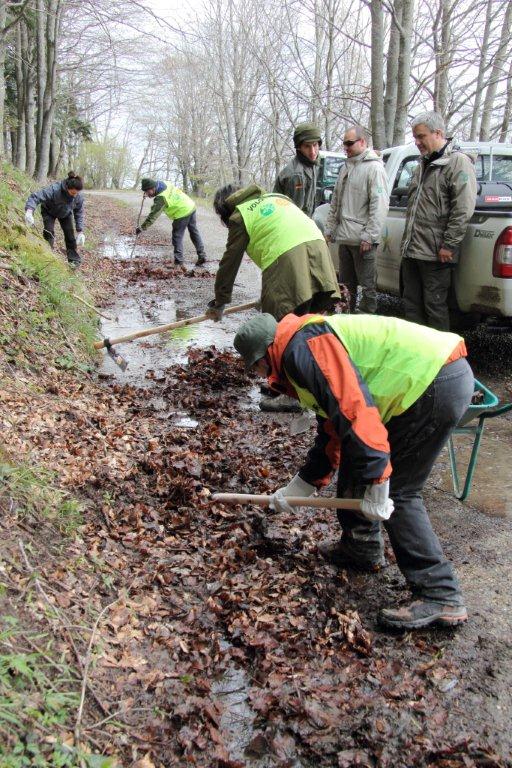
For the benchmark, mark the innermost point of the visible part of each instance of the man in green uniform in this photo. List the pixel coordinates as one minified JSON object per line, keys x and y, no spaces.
{"x":181,"y":209}
{"x":441,"y":201}
{"x":297,"y":270}
{"x":298,"y":179}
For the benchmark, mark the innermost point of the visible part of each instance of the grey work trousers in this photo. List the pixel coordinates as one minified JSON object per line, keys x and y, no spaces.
{"x":416,"y":438}
{"x":358,"y":268}
{"x":425,"y":286}
{"x":178,"y":232}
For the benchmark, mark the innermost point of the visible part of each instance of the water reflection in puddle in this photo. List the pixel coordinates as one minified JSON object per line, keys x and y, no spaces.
{"x":237,"y":719}
{"x":118,"y":248}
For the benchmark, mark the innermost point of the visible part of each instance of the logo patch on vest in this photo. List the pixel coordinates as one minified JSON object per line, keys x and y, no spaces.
{"x":267,"y":209}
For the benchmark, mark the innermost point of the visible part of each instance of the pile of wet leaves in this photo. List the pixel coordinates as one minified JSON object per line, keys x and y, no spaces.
{"x":192,"y":592}
{"x":218,"y":587}
{"x":163,"y":596}
{"x":141,"y":269}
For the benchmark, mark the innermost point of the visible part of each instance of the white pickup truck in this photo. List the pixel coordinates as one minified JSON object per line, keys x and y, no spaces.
{"x":483,"y":277}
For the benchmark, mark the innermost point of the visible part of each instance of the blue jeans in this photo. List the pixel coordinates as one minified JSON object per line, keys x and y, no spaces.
{"x":416,"y":438}
{"x":178,"y":232}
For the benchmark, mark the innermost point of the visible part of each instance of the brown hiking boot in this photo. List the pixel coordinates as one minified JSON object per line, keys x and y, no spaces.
{"x":345,"y":554}
{"x":422,"y":613}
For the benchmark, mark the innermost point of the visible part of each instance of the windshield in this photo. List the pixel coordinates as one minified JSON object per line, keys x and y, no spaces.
{"x":501,"y":168}
{"x":332,"y":167}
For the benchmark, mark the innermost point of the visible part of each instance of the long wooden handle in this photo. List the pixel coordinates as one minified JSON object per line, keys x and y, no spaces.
{"x":90,"y":306}
{"x":263,"y":500}
{"x":171,"y":326}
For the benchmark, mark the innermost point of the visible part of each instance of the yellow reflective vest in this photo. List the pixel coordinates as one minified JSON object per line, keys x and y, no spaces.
{"x":275,"y":225}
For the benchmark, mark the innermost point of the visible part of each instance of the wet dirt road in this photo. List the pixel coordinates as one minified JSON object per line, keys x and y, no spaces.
{"x":475,"y":697}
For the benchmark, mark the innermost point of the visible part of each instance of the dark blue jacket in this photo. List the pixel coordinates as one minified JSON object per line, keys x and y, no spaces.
{"x":57,"y":202}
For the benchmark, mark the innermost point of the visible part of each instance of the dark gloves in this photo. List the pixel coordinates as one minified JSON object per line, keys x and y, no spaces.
{"x":214,"y":310}
{"x":138,"y":231}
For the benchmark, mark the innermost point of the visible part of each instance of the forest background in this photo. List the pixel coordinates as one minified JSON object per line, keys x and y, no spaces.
{"x":208,"y":93}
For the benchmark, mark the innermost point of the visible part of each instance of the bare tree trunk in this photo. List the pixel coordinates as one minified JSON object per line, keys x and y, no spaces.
{"x":443,"y":54}
{"x":29,"y":105}
{"x":497,"y":73}
{"x":15,"y":15}
{"x":41,"y":68}
{"x":482,"y":66}
{"x":377,"y":71}
{"x":53,"y":19}
{"x":20,"y":158}
{"x":507,"y":109}
{"x":3,"y":48}
{"x":403,"y":73}
{"x":392,"y":73}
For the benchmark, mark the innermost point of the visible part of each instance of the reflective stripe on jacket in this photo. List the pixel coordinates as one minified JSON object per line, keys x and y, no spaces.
{"x":177,"y":203}
{"x":356,"y":372}
{"x":275,"y":225}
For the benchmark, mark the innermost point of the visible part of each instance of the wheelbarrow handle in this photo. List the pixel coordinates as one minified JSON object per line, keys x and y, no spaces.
{"x":497,"y":411}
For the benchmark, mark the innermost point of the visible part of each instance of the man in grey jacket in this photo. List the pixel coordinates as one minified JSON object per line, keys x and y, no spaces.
{"x":298,"y":179}
{"x":359,"y":206}
{"x":442,"y":197}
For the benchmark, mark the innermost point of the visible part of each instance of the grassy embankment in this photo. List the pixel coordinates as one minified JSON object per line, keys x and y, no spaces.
{"x":42,"y":328}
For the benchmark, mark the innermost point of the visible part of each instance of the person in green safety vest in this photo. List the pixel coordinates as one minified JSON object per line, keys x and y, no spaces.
{"x":387,"y":394}
{"x":297,"y":271}
{"x":181,"y":209}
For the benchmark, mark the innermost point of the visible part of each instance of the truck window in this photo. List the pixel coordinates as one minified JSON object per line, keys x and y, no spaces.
{"x":405,"y":172}
{"x":501,"y":168}
{"x":332,"y":166}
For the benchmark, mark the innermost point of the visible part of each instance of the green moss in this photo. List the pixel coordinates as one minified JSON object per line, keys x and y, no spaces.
{"x":32,"y":492}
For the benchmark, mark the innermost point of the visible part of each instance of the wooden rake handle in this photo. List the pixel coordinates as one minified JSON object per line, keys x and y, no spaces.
{"x":263,"y":500}
{"x":170,"y":326}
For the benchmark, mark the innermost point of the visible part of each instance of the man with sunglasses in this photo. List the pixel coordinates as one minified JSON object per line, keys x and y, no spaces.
{"x":359,"y":206}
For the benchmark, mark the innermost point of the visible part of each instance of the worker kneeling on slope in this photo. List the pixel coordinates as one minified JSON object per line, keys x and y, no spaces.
{"x":387,"y":394}
{"x":297,"y":271}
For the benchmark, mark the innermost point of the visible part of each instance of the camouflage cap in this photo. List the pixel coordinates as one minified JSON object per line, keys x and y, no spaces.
{"x":254,"y":338}
{"x":306,"y":132}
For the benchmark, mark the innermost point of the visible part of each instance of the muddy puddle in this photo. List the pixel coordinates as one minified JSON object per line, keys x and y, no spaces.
{"x":121,"y":248}
{"x":146,"y":306}
{"x":237,"y":718}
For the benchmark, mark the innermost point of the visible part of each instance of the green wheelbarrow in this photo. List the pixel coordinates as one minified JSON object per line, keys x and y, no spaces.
{"x":487,"y":408}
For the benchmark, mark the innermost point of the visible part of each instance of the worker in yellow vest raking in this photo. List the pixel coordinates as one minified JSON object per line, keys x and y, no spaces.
{"x":297,"y":271}
{"x":387,"y":394}
{"x":181,"y":209}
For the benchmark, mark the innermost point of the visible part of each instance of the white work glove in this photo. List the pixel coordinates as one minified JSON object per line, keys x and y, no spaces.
{"x":376,"y":504}
{"x":296,"y":487}
{"x":80,"y":238}
{"x":29,"y":218}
